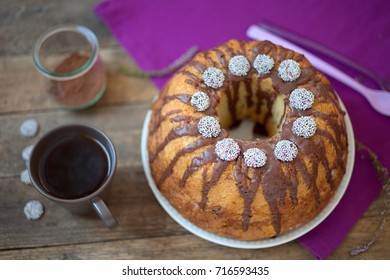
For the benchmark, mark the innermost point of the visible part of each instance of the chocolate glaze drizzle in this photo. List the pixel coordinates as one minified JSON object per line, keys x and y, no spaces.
{"x":278,"y":181}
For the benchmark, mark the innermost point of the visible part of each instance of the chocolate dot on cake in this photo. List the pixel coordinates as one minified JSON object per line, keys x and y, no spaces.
{"x":289,"y":70}
{"x":200,"y":101}
{"x":227,"y":149}
{"x":239,"y":65}
{"x":213,"y":77}
{"x":285,"y":150}
{"x":209,"y":127}
{"x":263,"y":63}
{"x":301,"y":99}
{"x":304,"y":126}
{"x":254,"y":157}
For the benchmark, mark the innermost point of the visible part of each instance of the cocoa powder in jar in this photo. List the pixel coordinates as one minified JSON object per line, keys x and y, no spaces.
{"x":81,"y":90}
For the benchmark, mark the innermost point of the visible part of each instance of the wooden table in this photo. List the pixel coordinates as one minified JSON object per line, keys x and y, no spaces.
{"x":146,"y":231}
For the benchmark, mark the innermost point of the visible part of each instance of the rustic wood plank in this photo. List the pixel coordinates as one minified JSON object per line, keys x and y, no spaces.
{"x":23,"y":88}
{"x":22,"y":21}
{"x":185,"y":246}
{"x":122,"y":123}
{"x":130,"y":200}
{"x":188,"y":246}
{"x":140,"y":218}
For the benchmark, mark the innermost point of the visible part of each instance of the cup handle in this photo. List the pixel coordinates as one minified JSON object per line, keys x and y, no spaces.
{"x":104,"y":213}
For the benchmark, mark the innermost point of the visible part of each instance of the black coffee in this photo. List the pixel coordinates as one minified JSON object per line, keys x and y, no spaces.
{"x":74,"y":167}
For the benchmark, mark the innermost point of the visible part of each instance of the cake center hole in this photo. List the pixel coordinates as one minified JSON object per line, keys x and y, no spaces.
{"x":257,"y":117}
{"x":247,"y":129}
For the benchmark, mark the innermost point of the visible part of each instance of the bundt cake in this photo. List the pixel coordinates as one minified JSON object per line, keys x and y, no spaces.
{"x":248,"y":189}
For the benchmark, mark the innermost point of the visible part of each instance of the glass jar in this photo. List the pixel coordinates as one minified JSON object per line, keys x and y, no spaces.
{"x":73,"y":72}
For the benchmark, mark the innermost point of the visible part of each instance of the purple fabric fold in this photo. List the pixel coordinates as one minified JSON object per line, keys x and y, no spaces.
{"x":155,"y":33}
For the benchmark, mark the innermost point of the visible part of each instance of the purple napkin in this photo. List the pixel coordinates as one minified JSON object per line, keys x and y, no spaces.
{"x":156,"y":33}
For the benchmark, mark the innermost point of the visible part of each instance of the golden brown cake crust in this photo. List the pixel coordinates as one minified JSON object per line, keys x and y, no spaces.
{"x":228,"y":197}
